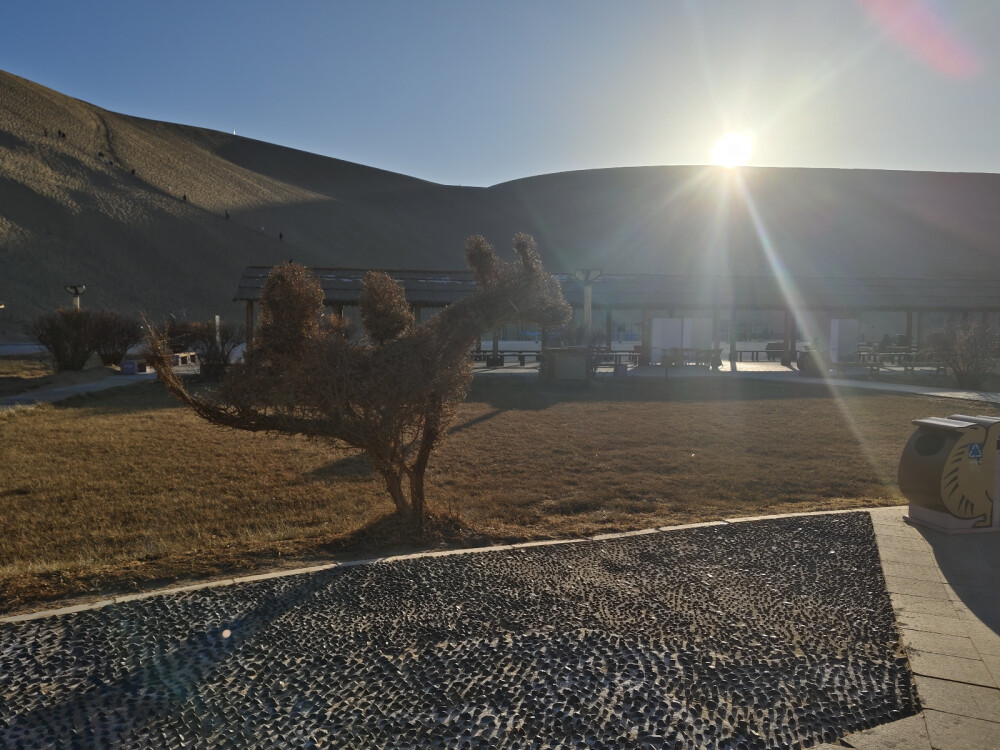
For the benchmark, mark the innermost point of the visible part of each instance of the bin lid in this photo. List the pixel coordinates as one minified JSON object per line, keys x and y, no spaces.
{"x":943,"y":425}
{"x":978,"y":419}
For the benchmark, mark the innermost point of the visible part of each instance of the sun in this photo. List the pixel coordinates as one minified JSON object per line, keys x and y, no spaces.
{"x":733,"y":149}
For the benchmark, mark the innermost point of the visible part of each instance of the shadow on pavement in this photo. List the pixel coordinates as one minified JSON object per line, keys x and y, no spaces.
{"x":971,"y":565}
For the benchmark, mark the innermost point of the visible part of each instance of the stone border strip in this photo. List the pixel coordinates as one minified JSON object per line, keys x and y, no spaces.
{"x":99,"y":603}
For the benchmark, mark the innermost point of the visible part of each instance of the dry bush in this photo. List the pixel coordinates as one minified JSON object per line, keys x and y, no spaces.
{"x":384,"y":312}
{"x":113,"y":335}
{"x":392,"y":394}
{"x":67,"y":335}
{"x":970,"y":351}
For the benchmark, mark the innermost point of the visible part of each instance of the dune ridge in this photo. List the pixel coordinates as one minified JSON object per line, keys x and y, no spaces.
{"x":137,"y":210}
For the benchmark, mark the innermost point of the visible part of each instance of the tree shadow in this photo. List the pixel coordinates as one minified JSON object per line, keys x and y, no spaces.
{"x":354,"y":465}
{"x":536,"y":395}
{"x":392,"y":534}
{"x":474,"y":421}
{"x":140,"y":396}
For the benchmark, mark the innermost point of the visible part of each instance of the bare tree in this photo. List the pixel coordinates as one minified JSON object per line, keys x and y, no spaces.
{"x":969,"y":350}
{"x":213,"y":344}
{"x":391,"y":394}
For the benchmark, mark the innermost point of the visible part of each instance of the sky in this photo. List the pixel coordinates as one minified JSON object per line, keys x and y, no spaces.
{"x":466,"y":92}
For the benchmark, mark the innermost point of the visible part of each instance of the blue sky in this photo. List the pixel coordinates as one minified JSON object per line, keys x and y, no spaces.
{"x":476,"y":93}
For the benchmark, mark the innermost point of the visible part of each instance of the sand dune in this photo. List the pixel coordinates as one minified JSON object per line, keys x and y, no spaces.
{"x":135,"y":209}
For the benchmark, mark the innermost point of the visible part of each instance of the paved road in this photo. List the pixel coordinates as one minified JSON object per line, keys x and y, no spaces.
{"x":13,"y":350}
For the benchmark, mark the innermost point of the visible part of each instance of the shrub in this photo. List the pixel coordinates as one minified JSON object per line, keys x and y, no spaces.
{"x":113,"y":335}
{"x":391,"y":394}
{"x":67,"y":335}
{"x":969,"y":350}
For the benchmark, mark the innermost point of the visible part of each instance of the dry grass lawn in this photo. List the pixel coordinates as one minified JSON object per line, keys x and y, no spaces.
{"x":122,"y":489}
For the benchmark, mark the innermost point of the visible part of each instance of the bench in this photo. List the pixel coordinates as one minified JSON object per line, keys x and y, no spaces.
{"x":774,"y":350}
{"x":497,"y":360}
{"x":605,"y":356}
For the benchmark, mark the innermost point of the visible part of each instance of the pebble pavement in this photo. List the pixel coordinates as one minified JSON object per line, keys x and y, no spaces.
{"x":771,"y":634}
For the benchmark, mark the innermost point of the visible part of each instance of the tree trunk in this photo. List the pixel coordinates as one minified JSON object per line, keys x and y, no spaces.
{"x":417,"y":495}
{"x":394,"y":484}
{"x":419,"y":468}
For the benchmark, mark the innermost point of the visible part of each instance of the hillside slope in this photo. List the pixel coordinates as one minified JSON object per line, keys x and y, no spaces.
{"x":136,"y":210}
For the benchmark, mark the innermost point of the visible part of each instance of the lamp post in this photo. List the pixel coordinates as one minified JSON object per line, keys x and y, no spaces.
{"x":76,"y":290}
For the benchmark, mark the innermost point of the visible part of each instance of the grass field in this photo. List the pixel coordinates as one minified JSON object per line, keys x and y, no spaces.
{"x":124,"y":489}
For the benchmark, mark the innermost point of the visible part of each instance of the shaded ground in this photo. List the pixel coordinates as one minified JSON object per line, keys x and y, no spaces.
{"x":26,"y":373}
{"x":755,"y":635}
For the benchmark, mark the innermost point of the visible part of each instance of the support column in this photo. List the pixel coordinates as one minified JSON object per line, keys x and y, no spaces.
{"x":789,"y":355}
{"x":920,"y":331}
{"x":496,"y":343}
{"x":909,"y":328}
{"x":608,"y":328}
{"x":732,"y":339}
{"x":646,"y":355}
{"x":249,"y":323}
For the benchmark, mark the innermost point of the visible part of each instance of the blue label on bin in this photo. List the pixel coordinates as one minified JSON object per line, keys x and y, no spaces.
{"x":975,"y":450}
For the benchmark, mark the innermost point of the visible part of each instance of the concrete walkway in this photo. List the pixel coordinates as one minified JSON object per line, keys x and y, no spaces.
{"x":945,"y":591}
{"x":49,"y":395}
{"x":770,"y":371}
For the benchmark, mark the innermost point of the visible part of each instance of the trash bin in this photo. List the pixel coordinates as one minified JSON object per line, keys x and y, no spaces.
{"x":568,"y":363}
{"x":948,"y":473}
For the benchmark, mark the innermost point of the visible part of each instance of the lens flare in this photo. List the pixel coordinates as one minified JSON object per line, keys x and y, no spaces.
{"x":925,"y":32}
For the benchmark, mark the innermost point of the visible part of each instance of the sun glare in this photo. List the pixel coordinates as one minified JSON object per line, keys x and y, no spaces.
{"x":733,"y":149}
